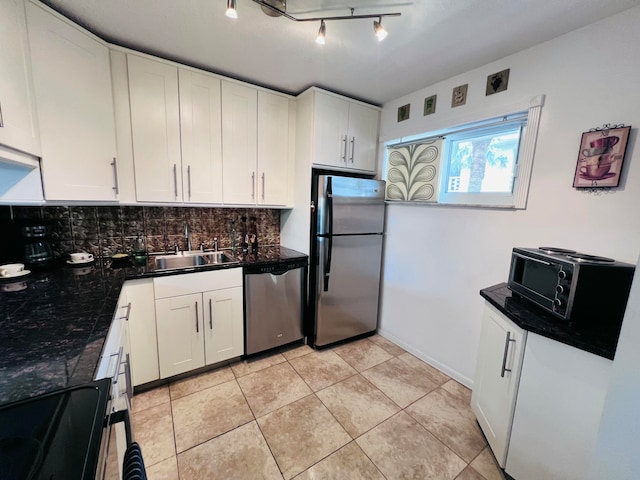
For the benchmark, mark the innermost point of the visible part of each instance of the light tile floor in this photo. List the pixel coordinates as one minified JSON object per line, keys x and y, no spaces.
{"x":362,"y":410}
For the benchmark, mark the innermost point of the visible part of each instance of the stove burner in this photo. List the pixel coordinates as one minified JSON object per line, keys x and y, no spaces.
{"x":555,"y":250}
{"x":583,"y":257}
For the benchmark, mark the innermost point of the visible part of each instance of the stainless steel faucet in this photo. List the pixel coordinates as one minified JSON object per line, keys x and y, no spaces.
{"x":187,"y":236}
{"x":215,"y":244}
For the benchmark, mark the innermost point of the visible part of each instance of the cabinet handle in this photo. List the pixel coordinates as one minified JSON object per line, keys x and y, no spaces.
{"x":353,"y":148}
{"x":262,"y":186}
{"x":175,"y":179}
{"x":114,"y":164}
{"x":1,"y":118}
{"x":126,"y":316}
{"x":197,"y":319}
{"x":253,"y":185}
{"x":508,"y":340}
{"x":189,"y":179}
{"x":344,"y":154}
{"x":210,"y":316}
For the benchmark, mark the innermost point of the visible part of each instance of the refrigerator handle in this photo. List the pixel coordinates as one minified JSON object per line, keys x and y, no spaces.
{"x":329,"y":230}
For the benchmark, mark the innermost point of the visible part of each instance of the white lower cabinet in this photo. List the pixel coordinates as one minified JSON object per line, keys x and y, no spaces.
{"x":180,"y":334}
{"x":496,"y":380}
{"x":199,"y":319}
{"x":560,"y":402}
{"x":142,"y":328}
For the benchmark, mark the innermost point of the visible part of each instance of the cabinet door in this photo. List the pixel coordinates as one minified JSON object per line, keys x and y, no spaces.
{"x":142,"y":328}
{"x":180,"y":334}
{"x":239,"y":143}
{"x":18,"y":125}
{"x":330,"y":124}
{"x":201,"y":137}
{"x":363,"y":137}
{"x":560,"y":401}
{"x":496,"y":380}
{"x":273,"y":149}
{"x":224,"y":328}
{"x":72,"y":81}
{"x":155,"y":124}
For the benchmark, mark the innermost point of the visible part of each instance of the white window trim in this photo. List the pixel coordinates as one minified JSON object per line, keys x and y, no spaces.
{"x":518,"y":198}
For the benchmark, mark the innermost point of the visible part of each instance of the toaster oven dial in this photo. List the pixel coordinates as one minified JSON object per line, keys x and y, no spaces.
{"x":560,"y":289}
{"x":563,"y":274}
{"x":558,"y":303}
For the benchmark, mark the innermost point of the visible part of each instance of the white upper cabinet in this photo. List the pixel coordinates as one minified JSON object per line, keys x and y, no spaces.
{"x":239,"y":143}
{"x":155,"y":124}
{"x":72,"y":82}
{"x":274,"y":136}
{"x":18,"y":124}
{"x":201,"y":135}
{"x":345,"y":133}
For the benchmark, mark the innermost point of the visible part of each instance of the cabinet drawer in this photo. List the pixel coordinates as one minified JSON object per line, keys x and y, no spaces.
{"x":188,"y":283}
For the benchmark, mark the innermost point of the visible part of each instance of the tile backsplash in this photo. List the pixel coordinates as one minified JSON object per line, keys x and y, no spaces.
{"x":105,"y":230}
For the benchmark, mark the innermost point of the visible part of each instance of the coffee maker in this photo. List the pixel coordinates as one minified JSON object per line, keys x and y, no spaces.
{"x":36,"y":238}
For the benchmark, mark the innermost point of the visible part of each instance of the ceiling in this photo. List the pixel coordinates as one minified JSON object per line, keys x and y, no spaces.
{"x":431,"y":41}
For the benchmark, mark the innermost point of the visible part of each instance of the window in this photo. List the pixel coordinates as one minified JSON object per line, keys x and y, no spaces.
{"x":487,"y":163}
{"x":480,"y":165}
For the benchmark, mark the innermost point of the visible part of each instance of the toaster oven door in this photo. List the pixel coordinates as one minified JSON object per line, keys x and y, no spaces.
{"x":535,"y":279}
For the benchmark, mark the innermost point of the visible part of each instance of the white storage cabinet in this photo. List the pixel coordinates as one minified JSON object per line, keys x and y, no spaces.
{"x":18,"y":123}
{"x":502,"y":346}
{"x":199,"y":319}
{"x":142,"y":327}
{"x":72,"y":80}
{"x":560,"y":401}
{"x":345,"y":132}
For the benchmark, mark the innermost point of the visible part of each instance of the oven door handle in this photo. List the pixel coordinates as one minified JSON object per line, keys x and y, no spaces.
{"x":531,"y":258}
{"x":122,"y":416}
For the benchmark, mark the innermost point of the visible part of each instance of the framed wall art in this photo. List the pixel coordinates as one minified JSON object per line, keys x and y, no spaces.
{"x":601,"y":156}
{"x":430,"y":105}
{"x":404,"y":112}
{"x":497,"y":82}
{"x":459,"y":95}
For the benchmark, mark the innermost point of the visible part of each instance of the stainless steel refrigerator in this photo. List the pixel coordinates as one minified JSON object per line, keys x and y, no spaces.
{"x":347,"y":233}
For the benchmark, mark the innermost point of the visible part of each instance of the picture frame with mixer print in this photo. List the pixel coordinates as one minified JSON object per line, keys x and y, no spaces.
{"x":601,"y":156}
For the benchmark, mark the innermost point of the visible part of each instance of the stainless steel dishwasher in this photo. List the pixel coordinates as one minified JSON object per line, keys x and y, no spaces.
{"x":274,"y":306}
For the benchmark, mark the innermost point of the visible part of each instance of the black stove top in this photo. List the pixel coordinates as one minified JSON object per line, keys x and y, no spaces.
{"x":54,"y":436}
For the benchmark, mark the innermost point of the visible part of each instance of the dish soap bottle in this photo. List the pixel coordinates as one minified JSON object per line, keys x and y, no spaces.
{"x":139,"y":250}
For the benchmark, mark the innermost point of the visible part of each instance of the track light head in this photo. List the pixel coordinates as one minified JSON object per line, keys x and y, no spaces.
{"x":231,"y":9}
{"x":321,"y":33}
{"x":379,"y":30}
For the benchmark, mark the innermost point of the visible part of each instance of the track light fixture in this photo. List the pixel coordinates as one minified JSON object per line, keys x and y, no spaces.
{"x":271,"y":8}
{"x":321,"y":33}
{"x":379,"y":30}
{"x":231,"y":9}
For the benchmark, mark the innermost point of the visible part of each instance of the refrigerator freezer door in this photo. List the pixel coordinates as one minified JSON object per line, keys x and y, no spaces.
{"x":356,"y":205}
{"x":347,"y":298}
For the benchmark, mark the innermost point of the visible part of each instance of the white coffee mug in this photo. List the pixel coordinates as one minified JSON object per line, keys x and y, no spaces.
{"x":81,"y":257}
{"x":11,"y":269}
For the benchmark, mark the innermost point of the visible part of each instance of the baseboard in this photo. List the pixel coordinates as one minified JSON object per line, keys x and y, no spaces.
{"x":457,"y":376}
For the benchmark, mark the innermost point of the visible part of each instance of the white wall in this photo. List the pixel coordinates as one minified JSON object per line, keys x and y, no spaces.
{"x":437,"y":258}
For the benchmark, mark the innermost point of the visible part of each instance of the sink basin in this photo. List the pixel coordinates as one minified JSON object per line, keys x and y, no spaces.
{"x":192,"y":259}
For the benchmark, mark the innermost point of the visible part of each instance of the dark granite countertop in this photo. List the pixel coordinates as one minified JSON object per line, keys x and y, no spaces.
{"x":532,"y":318}
{"x":54,"y":321}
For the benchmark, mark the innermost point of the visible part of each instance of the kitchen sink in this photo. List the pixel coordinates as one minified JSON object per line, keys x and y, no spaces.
{"x":192,"y":259}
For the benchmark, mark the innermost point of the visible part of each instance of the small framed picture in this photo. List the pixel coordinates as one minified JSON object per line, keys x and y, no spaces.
{"x":600,"y":157}
{"x":430,"y":105}
{"x":404,"y":112}
{"x":459,"y":95}
{"x":498,"y":82}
